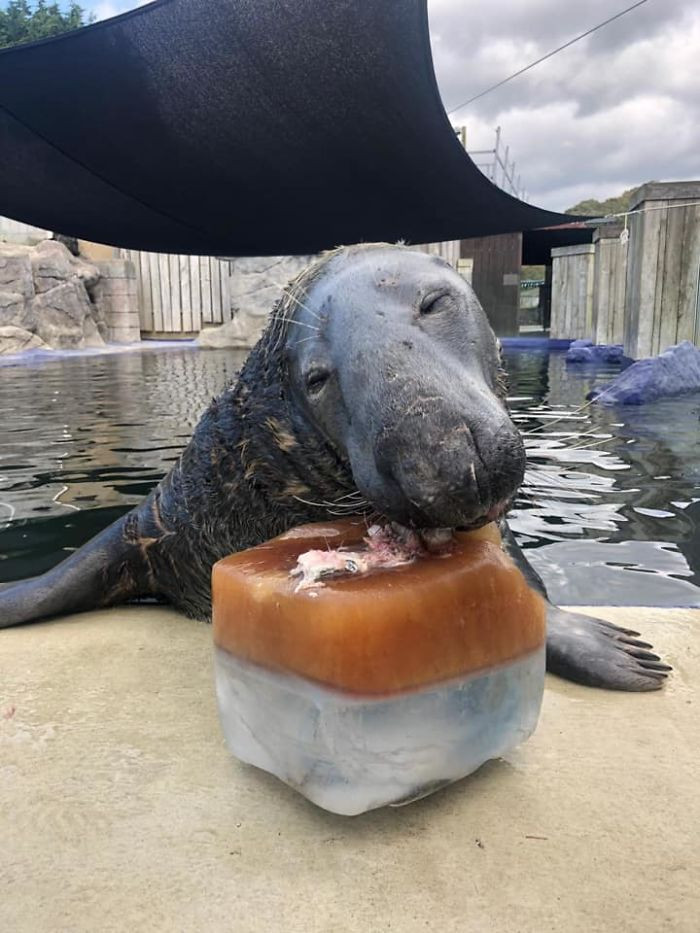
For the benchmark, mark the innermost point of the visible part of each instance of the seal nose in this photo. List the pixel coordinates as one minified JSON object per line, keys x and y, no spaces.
{"x":454,"y":478}
{"x":441,"y":486}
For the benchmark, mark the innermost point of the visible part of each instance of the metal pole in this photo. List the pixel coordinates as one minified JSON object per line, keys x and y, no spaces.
{"x":696,"y":329}
{"x":496,"y":155}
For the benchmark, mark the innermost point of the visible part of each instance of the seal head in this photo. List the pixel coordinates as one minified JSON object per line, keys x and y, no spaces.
{"x":392,"y":359}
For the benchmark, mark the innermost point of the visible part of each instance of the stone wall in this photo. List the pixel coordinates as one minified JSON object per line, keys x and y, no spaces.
{"x":255,"y":285}
{"x":116,"y":298}
{"x":49,"y":299}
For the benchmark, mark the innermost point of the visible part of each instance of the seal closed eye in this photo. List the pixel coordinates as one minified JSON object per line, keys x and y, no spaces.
{"x":376,"y":387}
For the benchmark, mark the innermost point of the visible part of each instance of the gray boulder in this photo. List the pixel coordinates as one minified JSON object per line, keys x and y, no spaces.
{"x":236,"y":334}
{"x":14,"y":310}
{"x":44,"y":292}
{"x":255,"y":284}
{"x":16,"y":270}
{"x":17,"y":339}
{"x":53,"y":264}
{"x":63,"y":317}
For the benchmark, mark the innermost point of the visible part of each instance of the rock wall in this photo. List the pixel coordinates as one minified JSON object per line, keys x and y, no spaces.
{"x":255,"y":286}
{"x":50,"y":299}
{"x":115,"y":295}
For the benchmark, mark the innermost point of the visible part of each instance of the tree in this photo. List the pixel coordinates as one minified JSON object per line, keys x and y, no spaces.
{"x":22,"y":21}
{"x":593,"y":208}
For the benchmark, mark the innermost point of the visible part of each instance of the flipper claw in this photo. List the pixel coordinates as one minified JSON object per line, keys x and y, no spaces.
{"x":600,"y":654}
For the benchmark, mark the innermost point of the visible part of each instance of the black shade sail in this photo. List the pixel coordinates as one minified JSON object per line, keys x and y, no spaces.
{"x":538,"y":244}
{"x":243,"y":127}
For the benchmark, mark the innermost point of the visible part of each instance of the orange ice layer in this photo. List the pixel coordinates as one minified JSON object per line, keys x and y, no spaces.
{"x":389,"y":630}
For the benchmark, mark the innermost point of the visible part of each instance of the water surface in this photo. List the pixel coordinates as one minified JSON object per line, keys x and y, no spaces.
{"x":610,"y":513}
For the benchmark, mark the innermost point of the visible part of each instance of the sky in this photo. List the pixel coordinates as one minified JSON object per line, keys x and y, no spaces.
{"x":619,"y":108}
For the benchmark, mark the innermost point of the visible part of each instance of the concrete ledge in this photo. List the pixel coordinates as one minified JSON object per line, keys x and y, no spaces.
{"x":122,"y":810}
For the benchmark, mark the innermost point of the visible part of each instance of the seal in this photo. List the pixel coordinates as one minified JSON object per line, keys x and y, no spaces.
{"x":377,"y":386}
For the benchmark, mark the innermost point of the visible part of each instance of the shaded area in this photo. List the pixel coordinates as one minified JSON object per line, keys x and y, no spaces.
{"x":243,"y":128}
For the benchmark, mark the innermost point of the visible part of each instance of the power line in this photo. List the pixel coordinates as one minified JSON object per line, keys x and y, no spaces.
{"x":545,"y":57}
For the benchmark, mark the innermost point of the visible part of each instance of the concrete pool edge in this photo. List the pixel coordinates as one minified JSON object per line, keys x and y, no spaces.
{"x":124,"y":811}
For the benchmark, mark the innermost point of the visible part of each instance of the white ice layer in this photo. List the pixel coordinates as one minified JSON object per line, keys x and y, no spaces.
{"x":350,"y":754}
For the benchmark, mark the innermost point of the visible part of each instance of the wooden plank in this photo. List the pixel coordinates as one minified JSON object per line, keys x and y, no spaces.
{"x":215,"y":292}
{"x":618,"y":289}
{"x":556,"y":328}
{"x":225,"y":273}
{"x":690,"y":269}
{"x":162,"y":322}
{"x":205,"y":285}
{"x":185,"y":293}
{"x":588,"y":261}
{"x":634,"y":254}
{"x":196,"y":292}
{"x":154,"y":274}
{"x":669,"y":305}
{"x":601,"y":303}
{"x":648,"y":285}
{"x":145,"y":294}
{"x":175,"y":308}
{"x":658,"y":290}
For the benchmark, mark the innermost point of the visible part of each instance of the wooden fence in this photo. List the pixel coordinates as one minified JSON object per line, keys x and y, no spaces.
{"x":572,"y":291}
{"x":179,"y":295}
{"x":609,"y":285}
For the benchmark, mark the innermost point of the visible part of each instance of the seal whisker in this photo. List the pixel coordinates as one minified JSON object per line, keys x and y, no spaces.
{"x":297,"y":301}
{"x":291,"y":320}
{"x":304,"y":339}
{"x":565,"y":417}
{"x":351,"y":495}
{"x":597,"y":443}
{"x":316,"y":505}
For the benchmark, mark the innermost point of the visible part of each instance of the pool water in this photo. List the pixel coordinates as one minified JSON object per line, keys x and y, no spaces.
{"x":610,"y":513}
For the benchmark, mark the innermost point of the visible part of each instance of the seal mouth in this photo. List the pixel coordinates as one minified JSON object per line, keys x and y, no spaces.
{"x":494,"y":514}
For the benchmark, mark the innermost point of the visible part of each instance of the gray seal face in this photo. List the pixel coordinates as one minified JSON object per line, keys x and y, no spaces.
{"x":393,"y":360}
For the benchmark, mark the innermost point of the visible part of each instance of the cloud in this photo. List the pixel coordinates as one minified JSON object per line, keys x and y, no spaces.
{"x":618,"y":108}
{"x":109,"y":8}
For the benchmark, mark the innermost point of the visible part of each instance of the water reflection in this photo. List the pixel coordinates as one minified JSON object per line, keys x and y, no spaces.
{"x":85,"y":438}
{"x":609,"y":509}
{"x":610,"y":512}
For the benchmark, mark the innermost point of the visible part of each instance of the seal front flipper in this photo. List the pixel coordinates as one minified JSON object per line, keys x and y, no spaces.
{"x":596,"y":653}
{"x":111,"y":568}
{"x":590,"y":651}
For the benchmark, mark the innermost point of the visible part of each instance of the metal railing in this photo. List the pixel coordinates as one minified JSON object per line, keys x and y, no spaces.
{"x":496,"y":164}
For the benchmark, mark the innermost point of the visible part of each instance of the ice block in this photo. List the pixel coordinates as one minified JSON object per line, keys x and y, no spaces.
{"x":375,"y":686}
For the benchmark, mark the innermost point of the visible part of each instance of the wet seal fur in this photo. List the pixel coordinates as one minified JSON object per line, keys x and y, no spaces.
{"x":376,"y":387}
